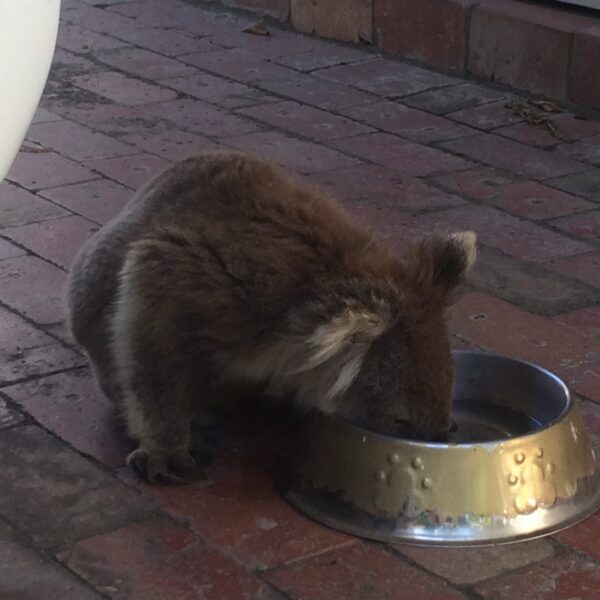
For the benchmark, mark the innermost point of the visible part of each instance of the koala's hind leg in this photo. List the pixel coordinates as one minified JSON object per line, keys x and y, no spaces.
{"x":160,"y":419}
{"x":157,"y":401}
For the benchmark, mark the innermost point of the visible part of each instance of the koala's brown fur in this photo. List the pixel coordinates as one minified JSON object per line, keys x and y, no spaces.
{"x":226,"y":269}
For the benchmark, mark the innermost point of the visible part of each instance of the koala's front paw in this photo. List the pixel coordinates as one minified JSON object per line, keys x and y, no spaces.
{"x":162,"y":467}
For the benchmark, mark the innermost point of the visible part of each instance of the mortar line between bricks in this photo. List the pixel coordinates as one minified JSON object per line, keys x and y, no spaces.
{"x":586,"y":398}
{"x":30,"y":252}
{"x":39,"y":326}
{"x":50,"y":218}
{"x":466,"y":590}
{"x":30,"y":378}
{"x":498,"y":131}
{"x":436,"y":88}
{"x":416,"y":212}
{"x":25,"y":539}
{"x":51,"y":187}
{"x":343,"y":63}
{"x":69,"y":210}
{"x":594,"y":241}
{"x":40,"y":347}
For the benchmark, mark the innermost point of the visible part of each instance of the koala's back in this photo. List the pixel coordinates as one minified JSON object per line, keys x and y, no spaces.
{"x":225,"y":243}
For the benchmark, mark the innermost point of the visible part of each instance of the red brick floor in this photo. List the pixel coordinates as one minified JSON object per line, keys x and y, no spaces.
{"x":139,"y":84}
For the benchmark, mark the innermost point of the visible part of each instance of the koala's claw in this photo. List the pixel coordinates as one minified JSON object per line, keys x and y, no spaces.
{"x":165,"y":468}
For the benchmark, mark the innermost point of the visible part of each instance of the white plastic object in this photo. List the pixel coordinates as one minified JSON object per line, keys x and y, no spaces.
{"x":587,"y":3}
{"x":28,"y":31}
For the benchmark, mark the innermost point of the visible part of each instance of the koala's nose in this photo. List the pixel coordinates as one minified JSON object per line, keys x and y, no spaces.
{"x":434,"y":434}
{"x":444,"y":436}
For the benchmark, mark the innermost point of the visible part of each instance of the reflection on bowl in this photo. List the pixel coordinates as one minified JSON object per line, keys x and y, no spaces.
{"x":518,"y":465}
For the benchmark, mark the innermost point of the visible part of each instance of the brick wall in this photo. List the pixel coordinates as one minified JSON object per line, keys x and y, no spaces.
{"x":537,"y":47}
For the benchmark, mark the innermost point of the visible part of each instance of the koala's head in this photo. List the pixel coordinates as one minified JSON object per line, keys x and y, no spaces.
{"x":384,"y":356}
{"x":406,"y":379}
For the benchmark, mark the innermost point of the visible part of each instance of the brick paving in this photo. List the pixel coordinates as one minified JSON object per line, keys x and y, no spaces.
{"x":136,"y":85}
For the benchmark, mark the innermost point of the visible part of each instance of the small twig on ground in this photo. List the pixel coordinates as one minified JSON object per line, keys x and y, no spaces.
{"x":258,"y":28}
{"x":533,"y":117}
{"x":545,"y":105}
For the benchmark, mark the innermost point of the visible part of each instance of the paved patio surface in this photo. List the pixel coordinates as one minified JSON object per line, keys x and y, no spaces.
{"x":137,"y":85}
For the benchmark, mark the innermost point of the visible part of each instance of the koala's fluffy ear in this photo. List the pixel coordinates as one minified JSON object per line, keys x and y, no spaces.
{"x":351,"y":331}
{"x":440,"y":263}
{"x":319,"y":361}
{"x":332,"y":355}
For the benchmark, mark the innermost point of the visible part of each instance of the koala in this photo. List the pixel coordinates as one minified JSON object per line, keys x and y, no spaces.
{"x":226,"y":270}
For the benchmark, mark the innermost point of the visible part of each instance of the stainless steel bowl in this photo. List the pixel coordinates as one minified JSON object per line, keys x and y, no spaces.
{"x":519,"y":465}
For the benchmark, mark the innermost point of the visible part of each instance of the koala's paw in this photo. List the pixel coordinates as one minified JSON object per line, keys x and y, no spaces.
{"x":159,"y":467}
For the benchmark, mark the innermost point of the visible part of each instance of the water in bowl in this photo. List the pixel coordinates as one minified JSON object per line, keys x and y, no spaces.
{"x":488,"y":422}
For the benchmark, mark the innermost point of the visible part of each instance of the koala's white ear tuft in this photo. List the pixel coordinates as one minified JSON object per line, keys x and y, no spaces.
{"x":441,"y":262}
{"x":467,"y":242}
{"x":320,"y":351}
{"x":352,"y":331}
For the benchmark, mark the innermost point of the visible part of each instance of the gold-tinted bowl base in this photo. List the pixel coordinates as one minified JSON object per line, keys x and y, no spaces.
{"x":519,"y":466}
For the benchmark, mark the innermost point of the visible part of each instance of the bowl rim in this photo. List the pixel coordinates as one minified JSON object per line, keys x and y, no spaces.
{"x":568,"y":407}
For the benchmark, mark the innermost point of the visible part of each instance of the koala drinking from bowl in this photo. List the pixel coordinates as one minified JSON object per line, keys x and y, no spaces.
{"x":224,"y":270}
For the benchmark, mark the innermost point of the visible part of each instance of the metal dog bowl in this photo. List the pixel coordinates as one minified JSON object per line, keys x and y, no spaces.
{"x":519,"y":465}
